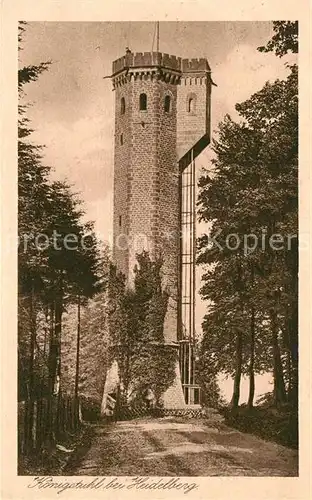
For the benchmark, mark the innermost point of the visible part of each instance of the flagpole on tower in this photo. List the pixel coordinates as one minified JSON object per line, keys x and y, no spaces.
{"x":157,"y":36}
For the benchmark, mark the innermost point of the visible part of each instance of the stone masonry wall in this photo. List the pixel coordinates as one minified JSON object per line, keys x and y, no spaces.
{"x":192,"y":126}
{"x":168,"y":198}
{"x":153,"y":198}
{"x":122,"y":162}
{"x":146,"y":184}
{"x":143,"y":171}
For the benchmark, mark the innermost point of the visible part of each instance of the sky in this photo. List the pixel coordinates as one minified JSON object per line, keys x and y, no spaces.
{"x":72,"y":110}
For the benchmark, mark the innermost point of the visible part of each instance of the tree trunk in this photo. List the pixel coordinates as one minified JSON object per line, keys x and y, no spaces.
{"x":29,"y":410}
{"x":78,"y":347}
{"x":54,"y":361}
{"x":289,"y":375}
{"x":238,"y":370}
{"x":279,"y":384}
{"x":252,"y":360}
{"x":293,"y":334}
{"x":57,"y":385}
{"x":77,"y":359}
{"x":293,"y":321}
{"x":58,"y":332}
{"x":51,"y":376}
{"x":54,"y":347}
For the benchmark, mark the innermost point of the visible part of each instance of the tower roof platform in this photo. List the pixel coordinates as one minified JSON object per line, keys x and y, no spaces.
{"x":159,"y":59}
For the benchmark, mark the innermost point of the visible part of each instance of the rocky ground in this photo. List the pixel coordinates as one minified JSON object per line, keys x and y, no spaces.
{"x":176,"y":447}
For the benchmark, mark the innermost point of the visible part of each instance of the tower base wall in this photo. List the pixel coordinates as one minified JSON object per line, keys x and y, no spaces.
{"x":110,"y":386}
{"x":173,"y":398}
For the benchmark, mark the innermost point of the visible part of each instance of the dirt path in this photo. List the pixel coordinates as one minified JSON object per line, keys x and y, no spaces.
{"x":168,"y":447}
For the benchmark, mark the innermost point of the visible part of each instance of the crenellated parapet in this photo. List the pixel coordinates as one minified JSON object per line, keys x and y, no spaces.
{"x":146,"y":74}
{"x":159,"y":66}
{"x":146,"y":59}
{"x":195,"y":65}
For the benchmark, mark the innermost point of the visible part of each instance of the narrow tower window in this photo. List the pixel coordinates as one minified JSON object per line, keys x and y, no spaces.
{"x":143,"y":102}
{"x":121,"y":139}
{"x":122,"y":106}
{"x":191,"y":105}
{"x":167,"y":105}
{"x":120,"y":221}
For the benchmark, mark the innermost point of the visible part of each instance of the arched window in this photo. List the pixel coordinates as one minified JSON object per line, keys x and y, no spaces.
{"x":191,"y":105}
{"x":167,"y":105}
{"x":143,"y":102}
{"x":122,"y":106}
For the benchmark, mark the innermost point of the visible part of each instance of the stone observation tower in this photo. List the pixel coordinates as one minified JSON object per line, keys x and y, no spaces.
{"x":162,"y":123}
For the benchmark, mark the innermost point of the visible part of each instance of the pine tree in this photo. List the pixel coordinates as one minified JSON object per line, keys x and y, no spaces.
{"x":52,"y":271}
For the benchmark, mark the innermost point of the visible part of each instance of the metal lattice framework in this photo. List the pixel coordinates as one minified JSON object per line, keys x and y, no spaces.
{"x":187,"y":283}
